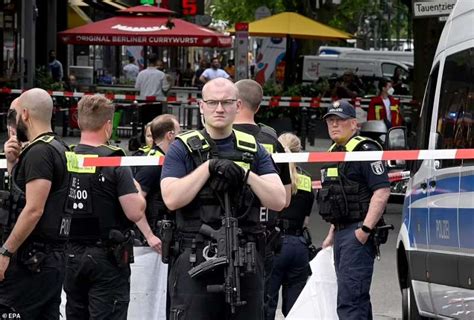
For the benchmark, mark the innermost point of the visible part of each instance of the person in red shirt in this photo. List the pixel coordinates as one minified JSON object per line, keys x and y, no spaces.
{"x":385,"y":106}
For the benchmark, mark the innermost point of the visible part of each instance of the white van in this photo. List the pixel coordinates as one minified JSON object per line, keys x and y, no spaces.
{"x":435,"y":247}
{"x":315,"y":67}
{"x":405,"y":57}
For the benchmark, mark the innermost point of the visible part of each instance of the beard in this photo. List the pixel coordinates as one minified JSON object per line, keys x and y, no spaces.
{"x":21,"y":131}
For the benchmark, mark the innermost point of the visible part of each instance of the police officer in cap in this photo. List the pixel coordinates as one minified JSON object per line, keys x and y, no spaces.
{"x":196,"y":180}
{"x":32,"y":254}
{"x":104,"y":203}
{"x":251,"y":94}
{"x":353,"y":198}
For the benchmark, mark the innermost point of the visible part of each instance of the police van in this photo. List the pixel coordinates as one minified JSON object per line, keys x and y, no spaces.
{"x":435,"y":246}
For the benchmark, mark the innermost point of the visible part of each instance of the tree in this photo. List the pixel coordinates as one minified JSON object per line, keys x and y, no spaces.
{"x":241,"y":10}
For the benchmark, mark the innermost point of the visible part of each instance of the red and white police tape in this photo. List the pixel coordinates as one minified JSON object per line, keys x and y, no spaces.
{"x":305,"y":157}
{"x":270,"y":101}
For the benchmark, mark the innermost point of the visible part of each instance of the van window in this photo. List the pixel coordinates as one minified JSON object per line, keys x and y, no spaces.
{"x":423,"y":131}
{"x":455,"y":123}
{"x":388,"y":70}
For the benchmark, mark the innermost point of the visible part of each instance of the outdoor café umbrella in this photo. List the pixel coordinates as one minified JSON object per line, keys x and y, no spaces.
{"x":293,"y":25}
{"x":132,"y":28}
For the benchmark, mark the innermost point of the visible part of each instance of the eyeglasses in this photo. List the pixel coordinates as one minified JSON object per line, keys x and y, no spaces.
{"x":226,"y":104}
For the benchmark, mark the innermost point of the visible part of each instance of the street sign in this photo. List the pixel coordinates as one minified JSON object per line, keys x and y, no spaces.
{"x":434,"y":8}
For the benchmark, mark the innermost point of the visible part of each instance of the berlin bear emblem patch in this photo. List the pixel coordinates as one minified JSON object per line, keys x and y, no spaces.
{"x":377,"y":167}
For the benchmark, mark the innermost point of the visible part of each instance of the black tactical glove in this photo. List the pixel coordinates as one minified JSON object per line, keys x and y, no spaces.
{"x":225,"y":175}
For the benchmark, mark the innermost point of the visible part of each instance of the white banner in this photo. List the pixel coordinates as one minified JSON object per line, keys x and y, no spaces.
{"x":270,"y":54}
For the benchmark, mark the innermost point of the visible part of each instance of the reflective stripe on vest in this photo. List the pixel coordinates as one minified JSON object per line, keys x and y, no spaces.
{"x":268,"y":147}
{"x":245,"y":141}
{"x":73,"y":162}
{"x":352,"y":144}
{"x":304,"y":183}
{"x":155,"y":153}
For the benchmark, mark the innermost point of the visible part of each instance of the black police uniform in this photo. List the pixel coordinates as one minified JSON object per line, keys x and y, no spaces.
{"x":268,"y":138}
{"x":100,"y":251}
{"x":189,"y":296}
{"x":149,"y":179}
{"x":34,"y":277}
{"x":344,"y":199}
{"x":290,"y":265}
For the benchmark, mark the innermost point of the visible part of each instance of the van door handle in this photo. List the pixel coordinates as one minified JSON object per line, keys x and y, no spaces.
{"x":424,"y":186}
{"x":432,"y":183}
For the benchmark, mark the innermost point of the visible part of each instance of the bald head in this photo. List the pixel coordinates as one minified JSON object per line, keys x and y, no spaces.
{"x":251,"y":93}
{"x":39,"y":104}
{"x":219,"y":84}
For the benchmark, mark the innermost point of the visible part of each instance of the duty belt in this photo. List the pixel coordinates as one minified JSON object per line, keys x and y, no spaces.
{"x":342,"y":226}
{"x":293,"y":232}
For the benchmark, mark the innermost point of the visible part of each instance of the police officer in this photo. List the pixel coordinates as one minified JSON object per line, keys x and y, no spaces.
{"x":251,"y":94}
{"x":32,"y":254}
{"x":353,"y":198}
{"x":195,"y":180}
{"x":104,"y":203}
{"x":290,"y":265}
{"x":164,"y":129}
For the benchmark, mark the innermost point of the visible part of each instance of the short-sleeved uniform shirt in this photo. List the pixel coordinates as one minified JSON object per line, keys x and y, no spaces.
{"x":179,"y":163}
{"x":41,"y":161}
{"x":283,"y":168}
{"x":149,"y":177}
{"x":120,"y":177}
{"x":373,"y":174}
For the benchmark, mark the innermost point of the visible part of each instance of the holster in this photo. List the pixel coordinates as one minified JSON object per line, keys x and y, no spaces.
{"x":32,"y":255}
{"x":273,"y":241}
{"x":120,"y":248}
{"x":165,"y":232}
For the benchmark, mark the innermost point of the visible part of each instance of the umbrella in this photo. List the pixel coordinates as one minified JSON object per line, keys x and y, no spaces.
{"x":296,"y":26}
{"x":145,"y":30}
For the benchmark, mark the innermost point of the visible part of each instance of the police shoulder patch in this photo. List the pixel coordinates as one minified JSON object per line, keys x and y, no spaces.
{"x":378,"y":167}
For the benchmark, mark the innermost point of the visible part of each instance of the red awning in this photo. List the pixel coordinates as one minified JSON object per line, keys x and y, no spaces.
{"x":144,"y":31}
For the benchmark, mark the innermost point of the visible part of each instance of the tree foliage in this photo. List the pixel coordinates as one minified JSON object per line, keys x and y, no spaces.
{"x":241,"y":10}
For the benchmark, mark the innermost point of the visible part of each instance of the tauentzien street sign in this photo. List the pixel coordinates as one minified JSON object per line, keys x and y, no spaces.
{"x":433,"y":8}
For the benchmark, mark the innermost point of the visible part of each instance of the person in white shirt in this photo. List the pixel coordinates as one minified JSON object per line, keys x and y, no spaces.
{"x":152,"y":82}
{"x":213,"y":72}
{"x":131,"y":70}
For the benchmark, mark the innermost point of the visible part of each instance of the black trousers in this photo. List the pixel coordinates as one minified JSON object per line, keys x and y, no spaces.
{"x":33,"y":295}
{"x":191,"y":301}
{"x":96,"y":287}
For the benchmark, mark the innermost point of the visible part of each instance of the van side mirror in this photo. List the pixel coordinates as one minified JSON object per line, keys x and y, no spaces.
{"x":396,"y":139}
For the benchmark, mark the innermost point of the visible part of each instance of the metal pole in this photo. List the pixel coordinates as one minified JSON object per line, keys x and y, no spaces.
{"x":28,"y":41}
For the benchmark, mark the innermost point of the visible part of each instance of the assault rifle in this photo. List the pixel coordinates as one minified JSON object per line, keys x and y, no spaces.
{"x":231,"y":253}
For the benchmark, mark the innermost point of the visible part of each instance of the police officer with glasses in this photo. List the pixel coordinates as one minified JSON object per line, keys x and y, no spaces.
{"x":205,"y":175}
{"x":353,"y":199}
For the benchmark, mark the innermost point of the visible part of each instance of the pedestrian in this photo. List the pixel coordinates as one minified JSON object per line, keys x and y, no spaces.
{"x":32,"y":255}
{"x":290,"y":265}
{"x":384,"y":106}
{"x":55,"y":67}
{"x":203,"y":65}
{"x":187,"y":76}
{"x":104,"y":203}
{"x":251,"y":94}
{"x":213,"y":72}
{"x":196,"y":181}
{"x":131,"y":70}
{"x":152,"y":82}
{"x":230,"y":68}
{"x":164,"y":129}
{"x":353,"y":198}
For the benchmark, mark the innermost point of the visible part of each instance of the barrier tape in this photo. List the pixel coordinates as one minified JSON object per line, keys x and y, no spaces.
{"x":270,"y":101}
{"x":307,"y":157}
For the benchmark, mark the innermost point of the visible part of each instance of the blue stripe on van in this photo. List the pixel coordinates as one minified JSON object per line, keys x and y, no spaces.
{"x":466,"y":228}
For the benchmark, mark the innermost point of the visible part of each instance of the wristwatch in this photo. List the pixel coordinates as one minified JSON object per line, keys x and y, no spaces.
{"x":366,"y":229}
{"x":4,"y":252}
